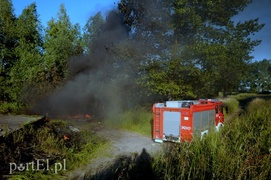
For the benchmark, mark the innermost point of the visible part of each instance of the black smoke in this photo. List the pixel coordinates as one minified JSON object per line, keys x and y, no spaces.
{"x":98,"y":81}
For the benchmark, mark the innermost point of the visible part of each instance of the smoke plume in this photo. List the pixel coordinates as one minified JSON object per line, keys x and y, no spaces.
{"x":98,"y":81}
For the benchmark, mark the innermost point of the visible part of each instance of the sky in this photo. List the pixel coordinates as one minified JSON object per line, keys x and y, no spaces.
{"x":79,"y":11}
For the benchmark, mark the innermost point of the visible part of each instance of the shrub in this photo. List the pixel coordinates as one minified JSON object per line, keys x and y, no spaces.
{"x":232,"y":104}
{"x":9,"y":107}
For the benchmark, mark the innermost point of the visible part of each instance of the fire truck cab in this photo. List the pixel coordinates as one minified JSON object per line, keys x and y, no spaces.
{"x":179,"y":121}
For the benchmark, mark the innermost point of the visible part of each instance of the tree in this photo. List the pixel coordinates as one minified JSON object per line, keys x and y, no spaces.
{"x":151,"y":42}
{"x":258,"y":77}
{"x":92,"y":30}
{"x":209,"y":47}
{"x":149,"y":24}
{"x":225,"y":55}
{"x":62,"y":41}
{"x":7,"y":44}
{"x":28,"y":52}
{"x":219,"y":47}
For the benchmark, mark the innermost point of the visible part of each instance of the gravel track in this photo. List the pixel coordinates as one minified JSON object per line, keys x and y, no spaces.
{"x":121,"y":143}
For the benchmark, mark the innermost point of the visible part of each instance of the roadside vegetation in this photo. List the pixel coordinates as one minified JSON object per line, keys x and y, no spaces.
{"x":242,"y":150}
{"x":53,"y":143}
{"x":138,"y":120}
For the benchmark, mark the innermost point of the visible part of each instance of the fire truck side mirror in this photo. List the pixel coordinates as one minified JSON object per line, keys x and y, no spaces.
{"x":225,"y":107}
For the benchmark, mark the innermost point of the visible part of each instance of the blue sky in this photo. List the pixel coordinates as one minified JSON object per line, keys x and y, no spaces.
{"x":79,"y":11}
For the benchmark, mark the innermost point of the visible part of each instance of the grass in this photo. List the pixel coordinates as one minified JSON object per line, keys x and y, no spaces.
{"x":243,"y":95}
{"x":136,"y":120}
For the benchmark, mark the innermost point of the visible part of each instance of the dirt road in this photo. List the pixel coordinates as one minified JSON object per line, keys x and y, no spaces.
{"x":121,"y":143}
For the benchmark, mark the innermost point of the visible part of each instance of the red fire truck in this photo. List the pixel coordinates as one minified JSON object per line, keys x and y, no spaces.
{"x":179,"y":121}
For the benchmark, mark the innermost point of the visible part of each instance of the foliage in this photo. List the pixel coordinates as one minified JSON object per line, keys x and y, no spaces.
{"x":7,"y":44}
{"x":7,"y":35}
{"x":258,"y":77}
{"x":10,"y":107}
{"x":199,"y":37}
{"x":28,"y":51}
{"x":62,"y":41}
{"x":23,"y":41}
{"x":31,"y":70}
{"x":172,"y":79}
{"x":218,"y":46}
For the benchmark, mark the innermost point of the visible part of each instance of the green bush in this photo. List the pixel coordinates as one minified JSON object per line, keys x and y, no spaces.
{"x":232,"y":104}
{"x":9,"y":107}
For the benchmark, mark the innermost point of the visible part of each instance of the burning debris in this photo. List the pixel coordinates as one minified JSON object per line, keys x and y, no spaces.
{"x":66,"y":137}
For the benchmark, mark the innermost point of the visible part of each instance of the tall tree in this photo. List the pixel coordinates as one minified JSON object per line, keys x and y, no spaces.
{"x":7,"y":44}
{"x":208,"y":45}
{"x":224,"y":54}
{"x":62,"y":41}
{"x":219,"y":47}
{"x":92,"y":30}
{"x":152,"y":44}
{"x":28,"y":52}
